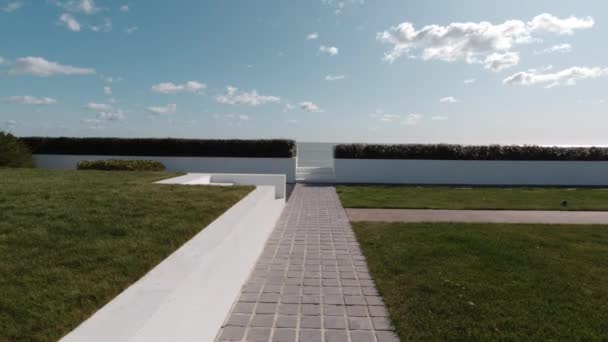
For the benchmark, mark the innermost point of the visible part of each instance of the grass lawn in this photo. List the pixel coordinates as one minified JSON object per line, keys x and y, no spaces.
{"x":483,"y":282}
{"x":411,"y":197}
{"x":70,"y":241}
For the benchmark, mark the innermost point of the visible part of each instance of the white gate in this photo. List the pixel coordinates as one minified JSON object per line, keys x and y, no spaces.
{"x":315,"y":162}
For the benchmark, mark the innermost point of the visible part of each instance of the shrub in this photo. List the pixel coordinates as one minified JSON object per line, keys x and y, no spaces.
{"x":163,"y":147}
{"x":121,"y":165}
{"x":470,"y":152}
{"x":13,"y":152}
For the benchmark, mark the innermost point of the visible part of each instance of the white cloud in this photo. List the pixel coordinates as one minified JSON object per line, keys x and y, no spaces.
{"x":107,"y":90}
{"x":2,"y":61}
{"x":549,"y":23}
{"x":475,"y":43}
{"x":552,"y":79}
{"x":328,"y":50}
{"x":111,"y":115}
{"x":244,"y":117}
{"x":106,"y":26}
{"x":30,"y":100}
{"x":172,"y":88}
{"x":561,"y":48}
{"x":288,"y":107}
{"x":439,"y":118}
{"x":339,"y":5}
{"x":132,"y":29}
{"x":38,"y":66}
{"x":233,"y":97}
{"x":411,"y":119}
{"x":310,"y":107}
{"x":12,"y":6}
{"x":68,"y":21}
{"x":97,"y":107}
{"x":449,"y":99}
{"x":469,"y":81}
{"x":334,"y":77}
{"x":87,"y":6}
{"x":124,"y":8}
{"x":499,"y":61}
{"x":312,"y":36}
{"x":164,"y":110}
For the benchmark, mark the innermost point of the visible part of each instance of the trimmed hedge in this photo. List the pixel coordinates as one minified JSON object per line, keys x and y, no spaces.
{"x":470,"y":152}
{"x":163,"y":147}
{"x":121,"y":165}
{"x":13,"y":152}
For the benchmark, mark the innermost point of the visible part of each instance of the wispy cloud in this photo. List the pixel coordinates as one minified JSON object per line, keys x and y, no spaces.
{"x":252,"y":98}
{"x":310,"y":107}
{"x":163,"y":110}
{"x":312,"y":36}
{"x":469,"y":81}
{"x":172,"y":88}
{"x":12,"y":6}
{"x":567,"y":77}
{"x":132,"y":29}
{"x":561,"y":48}
{"x":38,"y":66}
{"x":449,"y":99}
{"x":68,"y":21}
{"x":30,"y":100}
{"x":328,"y":50}
{"x":334,"y":77}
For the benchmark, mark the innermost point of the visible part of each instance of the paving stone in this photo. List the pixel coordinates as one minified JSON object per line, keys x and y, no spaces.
{"x":356,"y":311}
{"x":232,"y":334}
{"x":258,"y":335}
{"x":269,"y":298}
{"x":311,"y":309}
{"x":362,"y":336}
{"x":287,"y":322}
{"x":266,"y":308}
{"x":387,"y":336}
{"x":289,"y":309}
{"x":313,"y":322}
{"x":336,"y":336}
{"x":243,"y":308}
{"x":354,"y":300}
{"x":378,"y":311}
{"x":359,"y":323}
{"x":284,"y":335}
{"x":238,"y":320}
{"x":334,"y":322}
{"x":309,"y":335}
{"x":334,"y":310}
{"x":262,"y":321}
{"x":382,"y":323}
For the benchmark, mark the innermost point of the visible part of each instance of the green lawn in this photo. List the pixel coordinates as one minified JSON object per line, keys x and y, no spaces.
{"x":70,"y":241}
{"x":483,"y":282}
{"x":412,"y":197}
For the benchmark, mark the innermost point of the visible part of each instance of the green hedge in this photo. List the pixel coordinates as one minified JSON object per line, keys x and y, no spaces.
{"x":470,"y":152}
{"x":121,"y":165}
{"x":13,"y":152}
{"x":163,"y":147}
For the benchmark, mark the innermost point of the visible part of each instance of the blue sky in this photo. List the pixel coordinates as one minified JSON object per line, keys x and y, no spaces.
{"x":476,"y":71}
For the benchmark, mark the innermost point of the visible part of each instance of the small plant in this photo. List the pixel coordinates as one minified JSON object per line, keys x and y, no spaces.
{"x":13,"y":152}
{"x":121,"y":165}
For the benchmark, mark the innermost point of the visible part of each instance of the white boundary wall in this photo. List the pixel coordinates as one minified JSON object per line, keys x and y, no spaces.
{"x":472,"y":172}
{"x":285,"y":166}
{"x":188,"y":295}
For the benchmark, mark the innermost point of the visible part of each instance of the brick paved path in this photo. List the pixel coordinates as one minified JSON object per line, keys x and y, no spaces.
{"x":311,"y":283}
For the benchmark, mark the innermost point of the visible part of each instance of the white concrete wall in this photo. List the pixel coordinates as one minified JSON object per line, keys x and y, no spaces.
{"x":189,"y":294}
{"x":471,"y":172}
{"x":277,"y":181}
{"x":285,"y":166}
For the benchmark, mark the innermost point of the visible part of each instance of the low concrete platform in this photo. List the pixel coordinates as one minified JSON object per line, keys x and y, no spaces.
{"x":478,"y":216}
